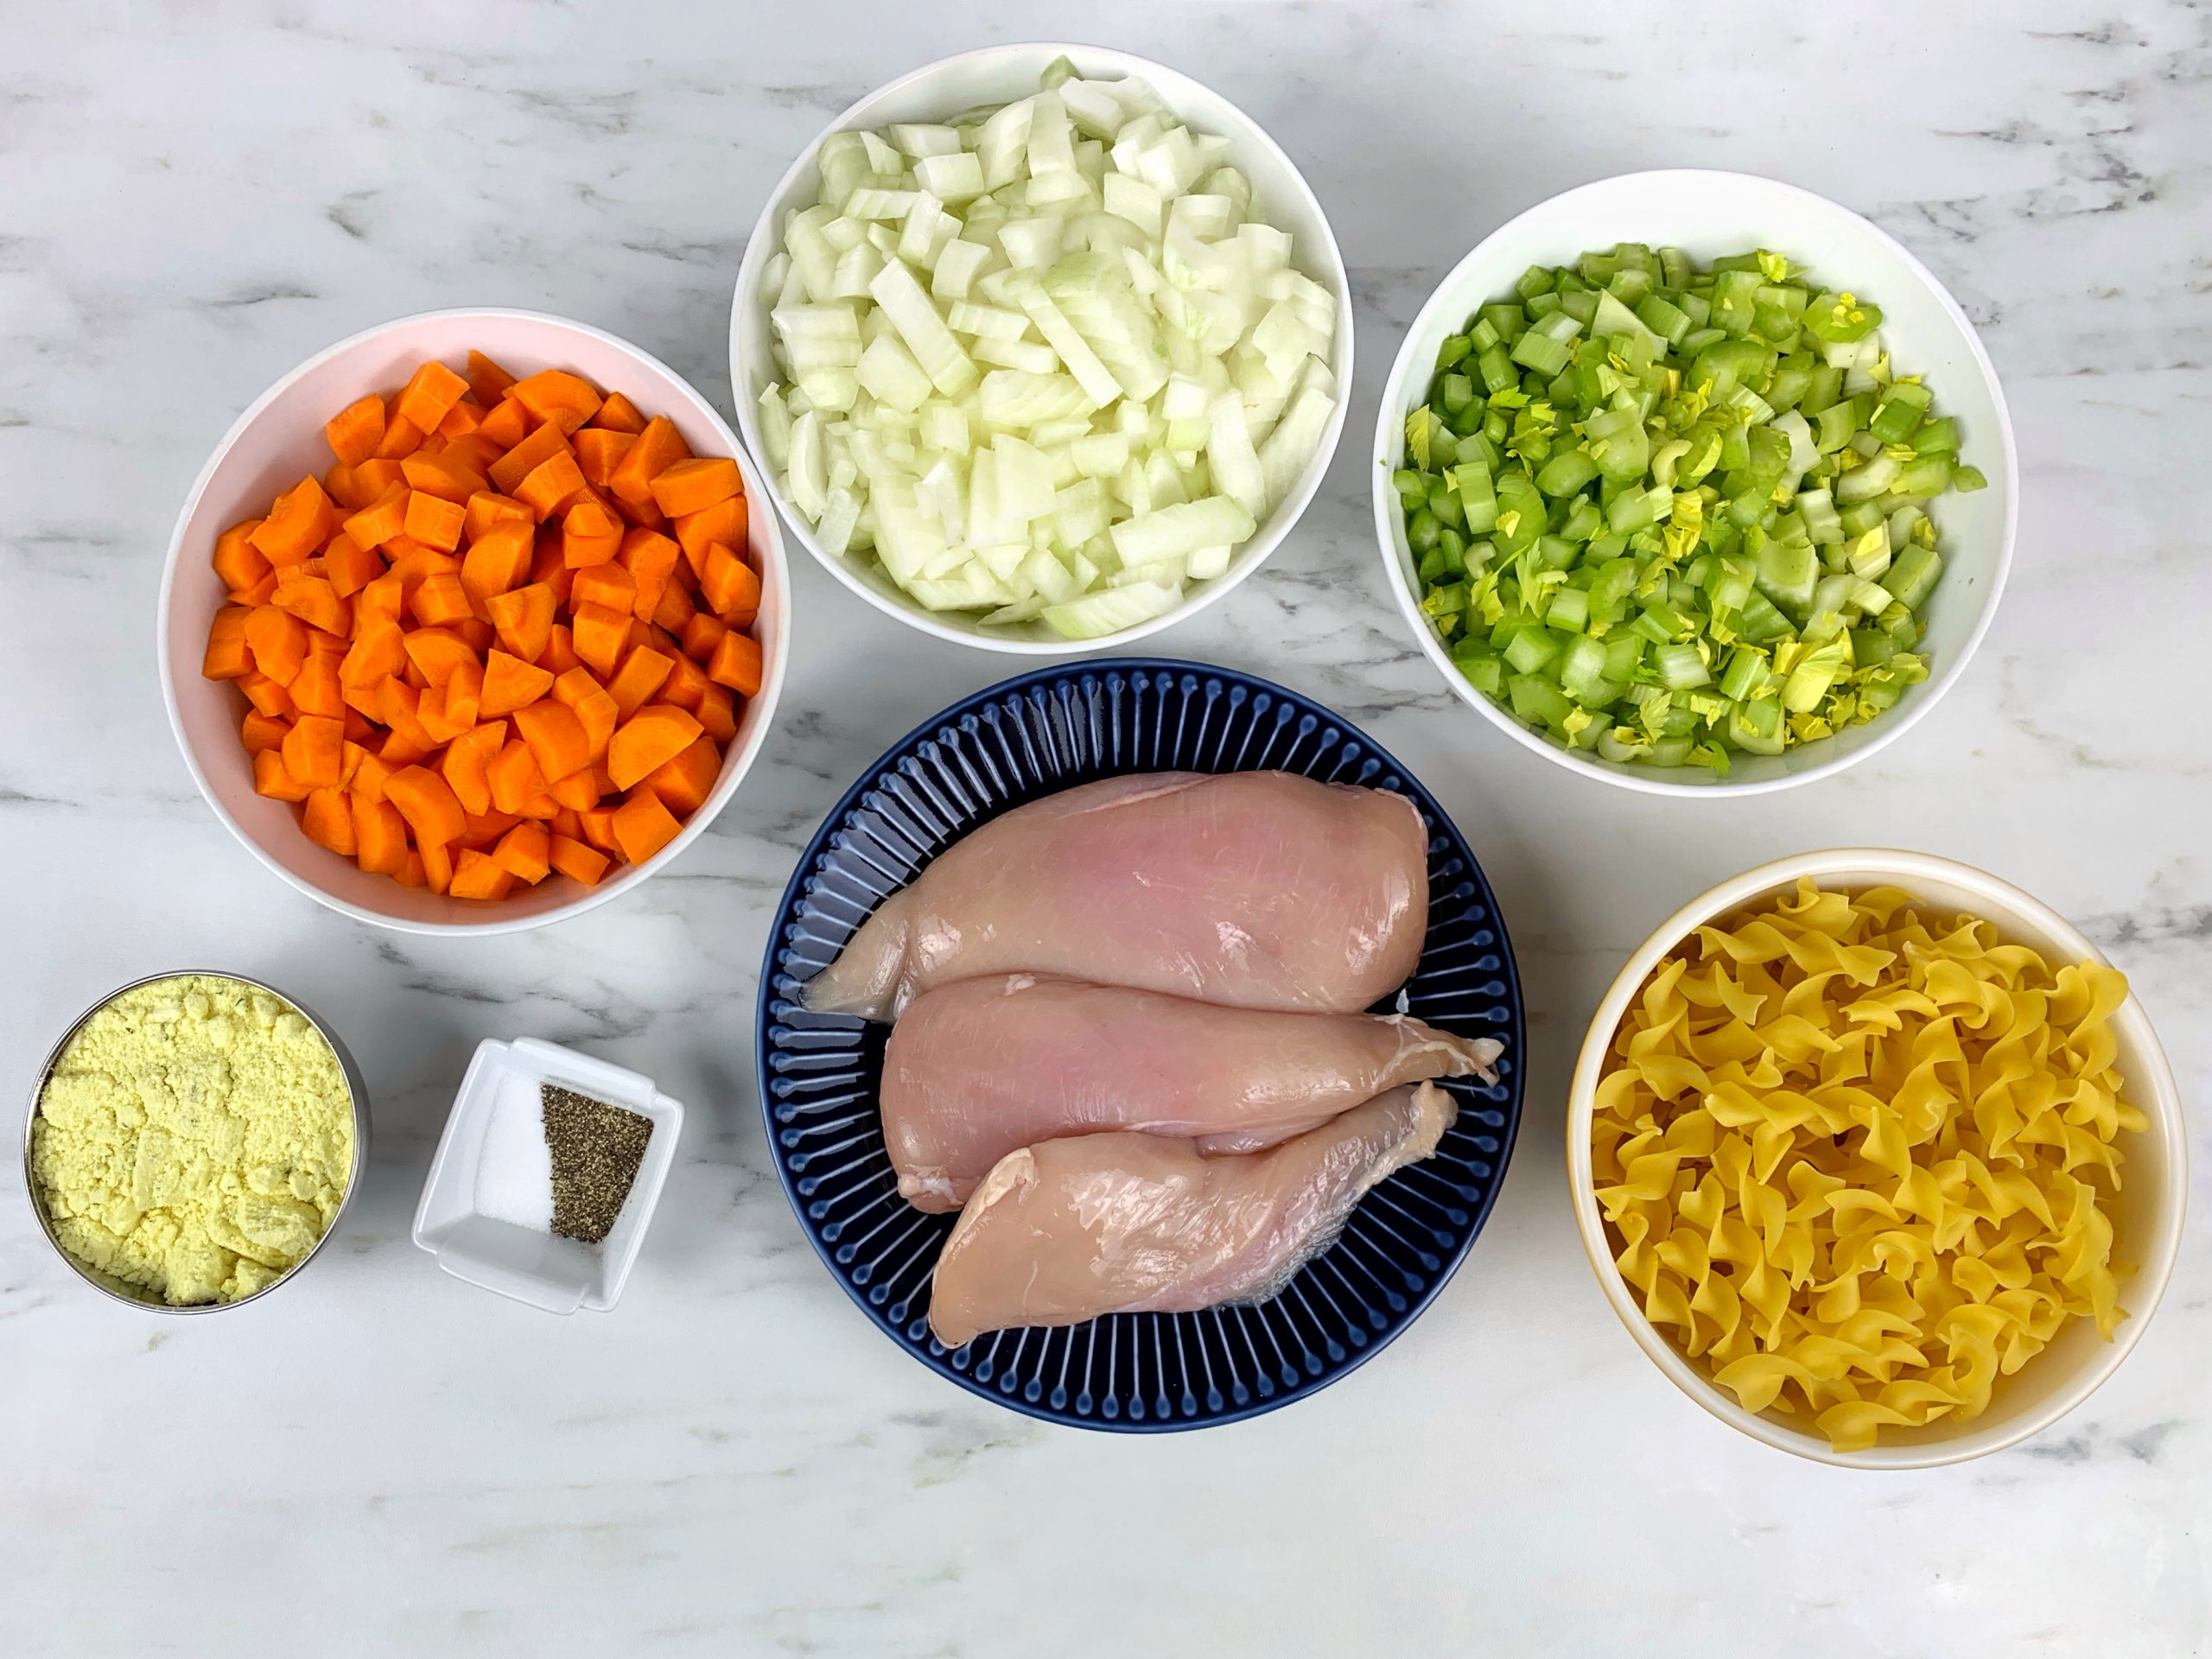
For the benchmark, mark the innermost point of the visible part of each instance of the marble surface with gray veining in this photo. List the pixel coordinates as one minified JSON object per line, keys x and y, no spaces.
{"x":382,"y":1459}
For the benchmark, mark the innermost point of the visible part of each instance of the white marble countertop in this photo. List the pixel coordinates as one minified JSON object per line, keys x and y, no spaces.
{"x":387,"y":1461}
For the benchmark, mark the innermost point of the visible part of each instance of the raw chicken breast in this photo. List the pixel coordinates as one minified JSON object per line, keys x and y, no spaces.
{"x":1120,"y":1223}
{"x":1255,"y":889}
{"x":979,"y":1069}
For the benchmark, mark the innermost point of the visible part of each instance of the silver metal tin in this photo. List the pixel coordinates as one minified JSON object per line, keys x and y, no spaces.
{"x":135,"y":1295}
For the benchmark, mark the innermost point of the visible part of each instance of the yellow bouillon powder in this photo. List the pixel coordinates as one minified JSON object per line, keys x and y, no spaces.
{"x":195,"y":1139}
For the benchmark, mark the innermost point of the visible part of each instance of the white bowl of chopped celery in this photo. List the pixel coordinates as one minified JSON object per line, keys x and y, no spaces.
{"x":1632,"y":562}
{"x":1048,"y":382}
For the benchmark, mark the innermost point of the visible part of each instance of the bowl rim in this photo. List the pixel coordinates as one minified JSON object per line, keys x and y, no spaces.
{"x":762,"y":243}
{"x":590,"y":897}
{"x":1999,"y":901}
{"x":1882,"y":732}
{"x":356,"y":1087}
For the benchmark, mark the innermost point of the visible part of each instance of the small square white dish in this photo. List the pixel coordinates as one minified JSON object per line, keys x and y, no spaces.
{"x":543,"y":1268}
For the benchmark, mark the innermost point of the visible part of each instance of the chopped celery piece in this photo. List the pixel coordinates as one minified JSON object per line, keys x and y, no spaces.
{"x":1667,"y":514}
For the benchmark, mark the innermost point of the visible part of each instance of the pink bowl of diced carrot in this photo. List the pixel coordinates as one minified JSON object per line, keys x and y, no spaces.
{"x":465,"y":625}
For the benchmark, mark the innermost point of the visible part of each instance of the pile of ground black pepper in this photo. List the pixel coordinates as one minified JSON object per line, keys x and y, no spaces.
{"x":596,"y":1150}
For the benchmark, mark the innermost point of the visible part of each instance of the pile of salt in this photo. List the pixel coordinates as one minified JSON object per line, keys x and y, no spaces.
{"x":514,"y":1176}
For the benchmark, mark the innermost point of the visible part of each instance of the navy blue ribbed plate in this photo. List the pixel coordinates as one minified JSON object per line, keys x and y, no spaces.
{"x":1034,"y":736}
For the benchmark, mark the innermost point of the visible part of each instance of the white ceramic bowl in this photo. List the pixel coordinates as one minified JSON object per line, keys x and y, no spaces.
{"x":1001,"y":74}
{"x":278,"y":440}
{"x":1710,"y":214}
{"x":2146,"y":1218}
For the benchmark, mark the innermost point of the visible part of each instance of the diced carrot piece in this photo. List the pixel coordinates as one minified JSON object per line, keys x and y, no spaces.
{"x":370,"y":773}
{"x":444,"y":476}
{"x":400,"y":708}
{"x":487,"y":381}
{"x":687,"y":685}
{"x":488,"y":507}
{"x":598,"y":452}
{"x":260,"y":594}
{"x":439,"y":652}
{"x":658,"y":448}
{"x":736,"y":664}
{"x":619,"y":414}
{"x":343,"y":486}
{"x":556,"y":737}
{"x":411,"y":561}
{"x":608,"y":586}
{"x":268,"y":696}
{"x":372,"y":479}
{"x":656,"y":733}
{"x":376,"y":525}
{"x":522,"y":852}
{"x":717,"y":713}
{"x":315,"y":688}
{"x":314,"y":750}
{"x":383,"y":600}
{"x":465,"y":763}
{"x":641,"y":674}
{"x":378,"y":651}
{"x":580,"y":691}
{"x":568,"y":821}
{"x":259,"y":732}
{"x":431,"y":391}
{"x":461,"y":420}
{"x":496,"y":561}
{"x":440,"y":599}
{"x":437,"y":865}
{"x":551,"y":482}
{"x":702,"y":635}
{"x":576,"y":860}
{"x":686,"y":486}
{"x":360,"y":728}
{"x":474,"y":451}
{"x":524,"y":619}
{"x":271,"y":778}
{"x":591,"y":534}
{"x":465,"y":693}
{"x":356,"y":429}
{"x":475,"y":875}
{"x":686,"y":780}
{"x":643,"y":826}
{"x":443,"y":725}
{"x":433,"y":521}
{"x":511,"y":683}
{"x":278,"y":640}
{"x":577,"y":793}
{"x":560,"y":649}
{"x":675,"y":610}
{"x":427,"y":802}
{"x":528,"y":454}
{"x":513,"y":777}
{"x":299,"y":522}
{"x":402,"y":438}
{"x":724,"y":522}
{"x":349,"y":566}
{"x":599,"y":828}
{"x":599,"y":634}
{"x":565,"y":400}
{"x":729,"y":585}
{"x":399,"y":750}
{"x":228,"y":654}
{"x":507,"y":425}
{"x":328,"y":820}
{"x":649,"y":557}
{"x":379,"y":835}
{"x":315,"y":602}
{"x":237,"y":560}
{"x":486,"y":828}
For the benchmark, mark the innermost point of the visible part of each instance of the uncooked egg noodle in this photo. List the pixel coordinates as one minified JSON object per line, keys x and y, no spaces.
{"x":1856,"y":1164}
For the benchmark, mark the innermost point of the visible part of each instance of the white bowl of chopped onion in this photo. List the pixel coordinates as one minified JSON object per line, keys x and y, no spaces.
{"x":2145,"y":1215}
{"x":1072,"y":373}
{"x":1707,"y":215}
